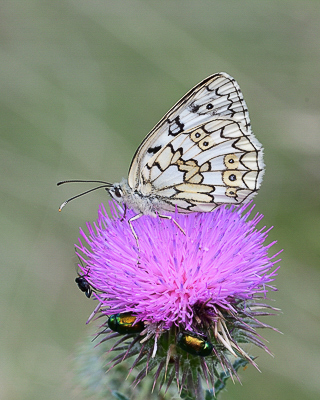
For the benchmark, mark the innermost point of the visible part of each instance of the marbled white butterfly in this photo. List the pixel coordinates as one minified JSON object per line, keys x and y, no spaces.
{"x":200,"y":155}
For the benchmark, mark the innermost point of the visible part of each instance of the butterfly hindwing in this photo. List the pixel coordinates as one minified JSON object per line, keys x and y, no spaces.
{"x":214,"y":163}
{"x":219,"y":95}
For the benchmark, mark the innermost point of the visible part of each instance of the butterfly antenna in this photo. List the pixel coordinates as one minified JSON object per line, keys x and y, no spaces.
{"x":82,"y":181}
{"x":104,"y":185}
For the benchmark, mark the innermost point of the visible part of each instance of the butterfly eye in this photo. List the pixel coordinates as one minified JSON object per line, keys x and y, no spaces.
{"x":117,"y":192}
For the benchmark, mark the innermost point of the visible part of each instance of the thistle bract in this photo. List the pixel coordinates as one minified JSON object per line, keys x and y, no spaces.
{"x":193,"y":292}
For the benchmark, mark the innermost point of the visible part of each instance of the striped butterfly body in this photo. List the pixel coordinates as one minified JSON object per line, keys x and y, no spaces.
{"x":200,"y":155}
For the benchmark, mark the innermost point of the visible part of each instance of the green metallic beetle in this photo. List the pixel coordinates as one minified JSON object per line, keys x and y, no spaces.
{"x":124,"y":323}
{"x":194,"y":344}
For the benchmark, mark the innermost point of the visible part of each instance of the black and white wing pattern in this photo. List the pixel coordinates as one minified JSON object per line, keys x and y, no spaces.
{"x":202,"y":153}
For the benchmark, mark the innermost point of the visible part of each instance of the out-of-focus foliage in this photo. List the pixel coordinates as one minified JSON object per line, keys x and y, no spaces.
{"x":82,"y":82}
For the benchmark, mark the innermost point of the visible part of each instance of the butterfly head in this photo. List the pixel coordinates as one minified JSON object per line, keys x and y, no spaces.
{"x":122,"y":193}
{"x":139,"y":202}
{"x":117,"y":192}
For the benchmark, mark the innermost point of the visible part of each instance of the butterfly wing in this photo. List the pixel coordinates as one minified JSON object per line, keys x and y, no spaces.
{"x":202,"y":153}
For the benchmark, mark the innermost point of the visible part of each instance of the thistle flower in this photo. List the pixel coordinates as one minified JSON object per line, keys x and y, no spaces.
{"x":184,"y":305}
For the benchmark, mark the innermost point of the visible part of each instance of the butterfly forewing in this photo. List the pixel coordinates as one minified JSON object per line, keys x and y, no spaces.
{"x":216,"y":96}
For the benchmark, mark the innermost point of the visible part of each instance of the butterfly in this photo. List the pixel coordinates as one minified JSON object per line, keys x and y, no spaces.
{"x":200,"y":155}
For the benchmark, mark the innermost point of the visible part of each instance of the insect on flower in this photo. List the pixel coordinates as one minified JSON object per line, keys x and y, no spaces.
{"x":125,"y":323}
{"x":84,"y":285}
{"x":200,"y":155}
{"x":82,"y":280}
{"x":194,"y":344}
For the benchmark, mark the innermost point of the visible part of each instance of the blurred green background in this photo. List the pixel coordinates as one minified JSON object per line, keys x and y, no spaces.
{"x":82,"y":82}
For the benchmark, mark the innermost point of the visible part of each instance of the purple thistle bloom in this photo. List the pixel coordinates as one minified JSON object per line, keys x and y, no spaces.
{"x":205,"y":283}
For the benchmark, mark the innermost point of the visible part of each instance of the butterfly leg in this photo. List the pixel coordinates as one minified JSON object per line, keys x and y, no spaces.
{"x":132,"y":229}
{"x":124,"y":213}
{"x":173,"y":220}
